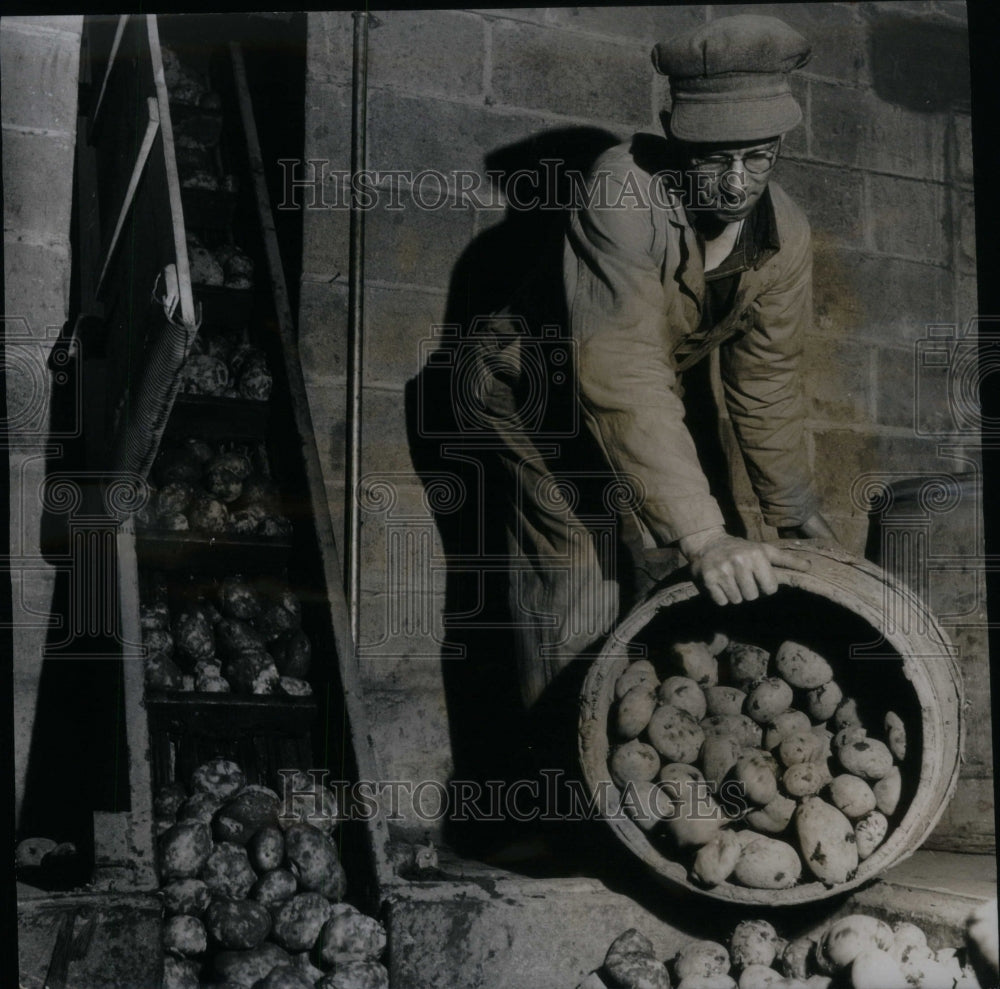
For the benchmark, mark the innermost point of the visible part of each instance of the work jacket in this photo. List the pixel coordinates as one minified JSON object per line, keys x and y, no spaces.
{"x":635,"y":290}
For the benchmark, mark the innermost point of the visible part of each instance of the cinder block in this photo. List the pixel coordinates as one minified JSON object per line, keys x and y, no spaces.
{"x":836,"y":375}
{"x":329,"y":45}
{"x":896,"y":389}
{"x":38,"y":185}
{"x":831,"y":197}
{"x":563,"y":73}
{"x":39,"y":77}
{"x":909,"y":218}
{"x":416,"y":245}
{"x":855,"y":127}
{"x":888,"y":300}
{"x":36,"y":283}
{"x":323,"y":331}
{"x":796,"y":141}
{"x":439,"y":52}
{"x":327,"y":125}
{"x":386,"y":444}
{"x":398,"y":332}
{"x":841,"y":457}
{"x":648,"y":24}
{"x":836,"y":34}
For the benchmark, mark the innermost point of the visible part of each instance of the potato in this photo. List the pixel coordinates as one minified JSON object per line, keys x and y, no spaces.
{"x":697,"y":818}
{"x":847,"y":937}
{"x":756,"y":770}
{"x":244,"y":968}
{"x":674,"y":734}
{"x":266,"y":849}
{"x":767,"y":699}
{"x":907,"y":938}
{"x":228,"y":872}
{"x":701,"y":959}
{"x":237,"y":924}
{"x":350,"y":936}
{"x":634,"y":969}
{"x":303,"y":962}
{"x":184,"y":936}
{"x":193,"y":637}
{"x":220,"y":777}
{"x":190,"y":897}
{"x":184,"y":849}
{"x":711,"y":982}
{"x":798,"y":747}
{"x":868,"y":757}
{"x":795,"y":958}
{"x":299,"y":920}
{"x":634,"y":711}
{"x":895,"y":735}
{"x":848,"y":736}
{"x":292,"y":654}
{"x":168,"y":800}
{"x":789,"y":723}
{"x":241,"y":817}
{"x":824,"y":739}
{"x":870,"y":832}
{"x":308,"y":800}
{"x":753,"y":942}
{"x":722,"y":700}
{"x":802,"y":667}
{"x":745,"y":663}
{"x":759,"y":977}
{"x":846,"y":715}
{"x":684,"y":693}
{"x":743,"y":729}
{"x":285,"y":977}
{"x":805,"y":778}
{"x":852,"y":795}
{"x":680,"y":771}
{"x":199,"y":807}
{"x":774,"y":816}
{"x":873,"y":969}
{"x":634,"y":761}
{"x":718,"y":643}
{"x":692,"y":659}
{"x":274,"y":887}
{"x":823,"y":701}
{"x":649,"y":804}
{"x":718,"y":755}
{"x":716,"y":860}
{"x":312,"y":858}
{"x":826,"y":837}
{"x":887,"y":791}
{"x":768,"y":863}
{"x":357,"y":975}
{"x":641,"y":671}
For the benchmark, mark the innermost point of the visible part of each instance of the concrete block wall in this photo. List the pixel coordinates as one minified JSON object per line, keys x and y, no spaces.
{"x":40,"y":66}
{"x":884,"y":175}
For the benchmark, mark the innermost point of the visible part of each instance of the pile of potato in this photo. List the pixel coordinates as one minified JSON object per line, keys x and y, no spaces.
{"x":225,"y":364}
{"x":247,"y":641}
{"x":217,"y":489}
{"x":756,"y":765}
{"x":854,"y":952}
{"x":223,"y":266}
{"x":253,"y":889}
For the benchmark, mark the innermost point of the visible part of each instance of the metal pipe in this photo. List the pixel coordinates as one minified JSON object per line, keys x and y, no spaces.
{"x":355,"y":326}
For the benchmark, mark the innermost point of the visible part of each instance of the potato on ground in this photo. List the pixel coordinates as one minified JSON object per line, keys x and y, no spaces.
{"x":852,"y":795}
{"x":768,"y":863}
{"x":630,"y":964}
{"x":767,"y":699}
{"x":684,"y":693}
{"x":826,"y":837}
{"x":870,"y":832}
{"x":350,"y":935}
{"x":356,"y":975}
{"x":847,"y":937}
{"x":312,"y":857}
{"x":753,"y":942}
{"x":674,"y":734}
{"x":641,"y":671}
{"x":801,"y":667}
{"x":190,"y":897}
{"x":716,"y":859}
{"x":184,"y":936}
{"x":701,"y":959}
{"x":184,"y":849}
{"x":634,"y":711}
{"x":244,"y":968}
{"x":692,"y":659}
{"x":874,"y":969}
{"x":907,"y":938}
{"x":795,"y":958}
{"x":237,"y":924}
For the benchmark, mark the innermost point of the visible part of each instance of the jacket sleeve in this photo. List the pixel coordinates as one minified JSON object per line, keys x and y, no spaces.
{"x":762,"y":383}
{"x":617,"y":312}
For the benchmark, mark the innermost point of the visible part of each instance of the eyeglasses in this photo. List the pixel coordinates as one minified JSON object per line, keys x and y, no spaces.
{"x":755,"y":160}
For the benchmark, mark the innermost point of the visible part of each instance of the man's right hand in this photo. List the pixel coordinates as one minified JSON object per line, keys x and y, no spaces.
{"x":731,"y":570}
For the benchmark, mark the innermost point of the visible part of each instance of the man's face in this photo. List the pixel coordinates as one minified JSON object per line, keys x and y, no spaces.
{"x":727,"y":180}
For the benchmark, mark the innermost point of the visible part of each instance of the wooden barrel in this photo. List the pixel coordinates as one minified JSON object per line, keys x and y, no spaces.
{"x":886,"y":649}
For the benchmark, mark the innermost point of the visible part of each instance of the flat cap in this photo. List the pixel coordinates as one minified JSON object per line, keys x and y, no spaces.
{"x":729,"y":79}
